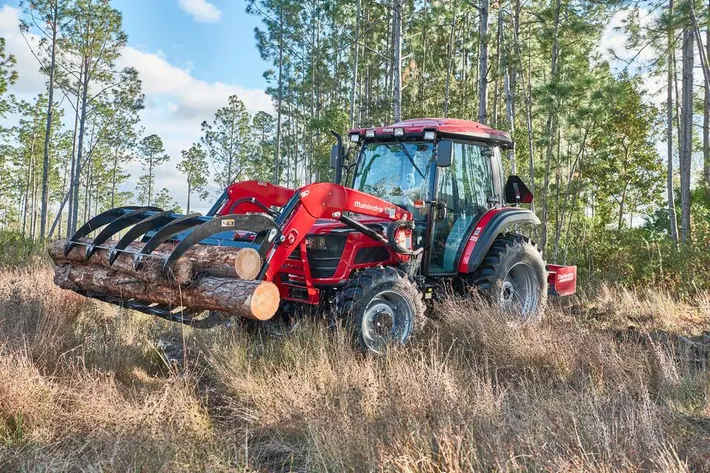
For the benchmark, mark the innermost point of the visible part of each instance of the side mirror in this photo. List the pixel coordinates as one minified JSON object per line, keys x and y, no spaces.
{"x":516,"y":192}
{"x":444,"y":153}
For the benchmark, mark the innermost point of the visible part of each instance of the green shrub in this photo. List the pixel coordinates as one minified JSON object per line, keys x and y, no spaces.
{"x":19,"y":250}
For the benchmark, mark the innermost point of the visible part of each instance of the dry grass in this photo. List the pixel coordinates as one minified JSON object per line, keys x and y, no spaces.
{"x":601,"y":385}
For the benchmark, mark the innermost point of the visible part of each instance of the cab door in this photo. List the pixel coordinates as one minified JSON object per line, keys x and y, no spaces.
{"x":468,"y":190}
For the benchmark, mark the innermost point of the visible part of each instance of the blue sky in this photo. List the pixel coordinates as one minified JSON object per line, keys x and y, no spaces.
{"x":215,"y":46}
{"x":191,"y":55}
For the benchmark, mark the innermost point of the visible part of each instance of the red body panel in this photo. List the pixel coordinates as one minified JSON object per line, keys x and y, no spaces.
{"x":329,"y":201}
{"x":297,"y":270}
{"x":562,"y":279}
{"x":268,"y":194}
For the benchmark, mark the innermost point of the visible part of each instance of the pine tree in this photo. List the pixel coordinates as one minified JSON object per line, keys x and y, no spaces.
{"x":228,"y":142}
{"x":194,"y":167}
{"x":151,"y":154}
{"x":95,"y":39}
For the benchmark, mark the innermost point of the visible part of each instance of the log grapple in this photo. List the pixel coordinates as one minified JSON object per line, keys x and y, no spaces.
{"x":422,"y":213}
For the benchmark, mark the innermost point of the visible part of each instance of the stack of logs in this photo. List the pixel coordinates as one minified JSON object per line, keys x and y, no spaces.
{"x":214,"y":278}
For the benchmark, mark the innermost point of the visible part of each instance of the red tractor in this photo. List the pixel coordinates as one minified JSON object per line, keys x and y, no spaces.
{"x":422,"y":212}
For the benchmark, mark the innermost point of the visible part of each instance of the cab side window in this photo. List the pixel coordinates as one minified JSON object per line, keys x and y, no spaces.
{"x":465,"y":187}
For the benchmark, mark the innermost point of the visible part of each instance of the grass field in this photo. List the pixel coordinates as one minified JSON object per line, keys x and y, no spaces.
{"x":617,"y":381}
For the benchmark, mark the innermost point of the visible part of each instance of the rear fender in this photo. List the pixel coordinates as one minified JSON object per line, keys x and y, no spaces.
{"x":493,"y":223}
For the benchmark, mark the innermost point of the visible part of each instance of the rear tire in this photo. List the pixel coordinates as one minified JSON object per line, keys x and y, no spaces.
{"x":513,"y":274}
{"x":381,"y":306}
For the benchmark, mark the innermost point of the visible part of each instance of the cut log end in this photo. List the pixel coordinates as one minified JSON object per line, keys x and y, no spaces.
{"x":247,"y":263}
{"x":264,"y":301}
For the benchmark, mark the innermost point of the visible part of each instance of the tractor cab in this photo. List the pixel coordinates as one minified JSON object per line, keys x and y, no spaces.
{"x":446,"y":172}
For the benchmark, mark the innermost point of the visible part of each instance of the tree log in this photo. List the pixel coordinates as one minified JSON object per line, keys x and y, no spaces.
{"x":252,"y":299}
{"x":225,"y":261}
{"x":219,"y":261}
{"x":150,"y":272}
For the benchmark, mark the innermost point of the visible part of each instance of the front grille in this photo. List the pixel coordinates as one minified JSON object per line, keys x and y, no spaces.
{"x":371,"y":254}
{"x":324,"y":253}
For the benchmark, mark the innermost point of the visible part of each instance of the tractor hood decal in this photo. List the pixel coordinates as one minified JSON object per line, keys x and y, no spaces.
{"x":389,"y":211}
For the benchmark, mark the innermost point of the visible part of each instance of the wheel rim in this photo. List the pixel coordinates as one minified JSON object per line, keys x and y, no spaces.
{"x":388,"y":318}
{"x":520,"y":291}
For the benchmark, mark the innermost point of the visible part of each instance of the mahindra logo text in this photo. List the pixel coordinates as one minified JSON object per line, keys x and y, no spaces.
{"x":374,"y":208}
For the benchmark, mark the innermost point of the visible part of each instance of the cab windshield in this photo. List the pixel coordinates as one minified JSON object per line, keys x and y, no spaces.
{"x":396,"y":172}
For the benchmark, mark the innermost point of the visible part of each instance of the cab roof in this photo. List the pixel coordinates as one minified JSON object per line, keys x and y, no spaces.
{"x":448,"y":127}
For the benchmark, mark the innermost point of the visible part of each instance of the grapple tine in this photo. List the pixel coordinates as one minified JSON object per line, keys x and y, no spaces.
{"x":95,"y":223}
{"x":117,"y":225}
{"x":168,"y":231}
{"x":144,"y":226}
{"x":226,"y":223}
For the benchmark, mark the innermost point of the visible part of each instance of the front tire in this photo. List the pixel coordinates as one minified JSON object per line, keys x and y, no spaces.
{"x":381,"y":306}
{"x":513,"y":274}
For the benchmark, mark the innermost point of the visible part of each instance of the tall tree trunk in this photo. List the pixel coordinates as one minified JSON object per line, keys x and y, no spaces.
{"x":33,"y":214}
{"x":356,"y":57}
{"x":397,"y":58}
{"x":150,"y":180}
{"x":483,"y":62}
{"x":450,"y":61}
{"x":72,"y":173}
{"x":687,"y":133}
{"x":669,"y":133}
{"x":87,"y":190}
{"x":706,"y":115}
{"x":113,"y":178}
{"x":277,"y":152}
{"x":26,"y":199}
{"x":80,"y":145}
{"x":528,"y":122}
{"x":621,"y":206}
{"x":499,"y":65}
{"x":189,"y":192}
{"x":47,"y":137}
{"x":550,"y":126}
{"x":511,"y":81}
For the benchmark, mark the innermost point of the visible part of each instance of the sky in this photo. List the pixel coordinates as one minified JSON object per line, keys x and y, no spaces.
{"x":192,"y":55}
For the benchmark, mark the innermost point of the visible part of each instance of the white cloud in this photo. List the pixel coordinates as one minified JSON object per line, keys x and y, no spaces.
{"x":613,"y":43}
{"x":175,"y":106}
{"x":30,"y":80}
{"x":194,"y":97}
{"x":201,"y":10}
{"x":613,"y":49}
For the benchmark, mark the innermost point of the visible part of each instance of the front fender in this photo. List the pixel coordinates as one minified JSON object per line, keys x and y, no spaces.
{"x":493,"y":223}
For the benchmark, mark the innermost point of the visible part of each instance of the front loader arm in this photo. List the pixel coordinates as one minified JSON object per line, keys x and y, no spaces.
{"x":254,"y":196}
{"x":325,"y":201}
